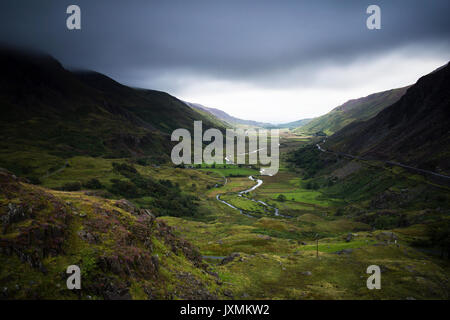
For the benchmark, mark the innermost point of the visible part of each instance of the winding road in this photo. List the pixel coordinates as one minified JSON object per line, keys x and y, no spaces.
{"x":390,"y":163}
{"x":48,"y":174}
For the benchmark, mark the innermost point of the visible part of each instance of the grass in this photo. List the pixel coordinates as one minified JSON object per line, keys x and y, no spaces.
{"x":232,"y":171}
{"x":276,"y":254}
{"x":308,"y":197}
{"x":273,"y":261}
{"x":82,"y":169}
{"x":244,"y":203}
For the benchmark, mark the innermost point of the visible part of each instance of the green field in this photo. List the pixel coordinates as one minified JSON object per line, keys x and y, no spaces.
{"x":233,"y":171}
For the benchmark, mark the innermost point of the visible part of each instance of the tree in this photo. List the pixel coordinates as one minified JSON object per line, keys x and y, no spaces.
{"x":93,"y":184}
{"x":72,"y":186}
{"x":440,"y":237}
{"x":281,"y":198}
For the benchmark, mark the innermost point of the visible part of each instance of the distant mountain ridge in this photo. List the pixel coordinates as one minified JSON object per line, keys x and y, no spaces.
{"x":353,"y":110}
{"x":222,"y":115}
{"x":293,"y":124}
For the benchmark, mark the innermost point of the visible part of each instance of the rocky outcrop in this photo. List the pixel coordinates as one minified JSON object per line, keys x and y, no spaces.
{"x":116,"y":245}
{"x":230,"y":258}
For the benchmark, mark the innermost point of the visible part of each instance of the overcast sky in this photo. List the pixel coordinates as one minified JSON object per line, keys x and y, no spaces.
{"x":272,"y":61}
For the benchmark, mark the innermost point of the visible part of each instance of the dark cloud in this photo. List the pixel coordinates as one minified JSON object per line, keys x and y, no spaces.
{"x":251,"y":40}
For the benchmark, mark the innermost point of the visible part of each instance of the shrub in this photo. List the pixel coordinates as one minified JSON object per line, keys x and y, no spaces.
{"x":439,"y":234}
{"x":167,"y":197}
{"x":72,"y":186}
{"x":143,"y":161}
{"x":309,"y":159}
{"x":124,"y":188}
{"x":34,"y":180}
{"x":386,"y":222}
{"x":281,"y":198}
{"x":93,"y":184}
{"x":124,"y":169}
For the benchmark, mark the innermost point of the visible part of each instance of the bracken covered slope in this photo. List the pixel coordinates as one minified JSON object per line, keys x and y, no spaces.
{"x":123,"y":252}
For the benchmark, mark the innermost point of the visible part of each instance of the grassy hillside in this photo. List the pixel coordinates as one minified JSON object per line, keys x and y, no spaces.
{"x":156,"y":109}
{"x":414,"y":130}
{"x":353,"y":110}
{"x":50,"y":114}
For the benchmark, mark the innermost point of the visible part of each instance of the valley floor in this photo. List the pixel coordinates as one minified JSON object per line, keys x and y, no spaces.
{"x":270,"y":257}
{"x":319,"y":247}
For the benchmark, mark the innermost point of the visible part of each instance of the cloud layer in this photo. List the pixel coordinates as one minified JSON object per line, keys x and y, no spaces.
{"x":243,"y":56}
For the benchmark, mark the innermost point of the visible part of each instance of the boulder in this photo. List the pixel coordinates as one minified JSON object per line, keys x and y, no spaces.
{"x":147,"y":212}
{"x":86,"y":236}
{"x":344,"y":251}
{"x":349,"y":237}
{"x":387,"y":235}
{"x":126,"y":205}
{"x":229,"y":258}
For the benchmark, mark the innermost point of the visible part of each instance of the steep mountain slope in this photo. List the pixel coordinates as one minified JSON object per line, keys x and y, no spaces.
{"x":53,"y":112}
{"x":222,"y":115}
{"x":415,"y":130}
{"x":157,"y":109}
{"x":353,"y":110}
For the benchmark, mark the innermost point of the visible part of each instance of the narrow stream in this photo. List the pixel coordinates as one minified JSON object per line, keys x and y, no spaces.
{"x":259,"y":182}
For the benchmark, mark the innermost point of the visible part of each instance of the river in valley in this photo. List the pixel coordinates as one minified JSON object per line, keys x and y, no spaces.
{"x":259,"y":182}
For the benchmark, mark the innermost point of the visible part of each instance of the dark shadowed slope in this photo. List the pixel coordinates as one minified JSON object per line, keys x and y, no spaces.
{"x":48,"y":109}
{"x":157,"y":108}
{"x":414,"y":131}
{"x":353,"y":110}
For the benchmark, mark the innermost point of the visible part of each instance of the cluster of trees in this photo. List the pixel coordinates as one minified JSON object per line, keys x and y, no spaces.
{"x":168,"y":199}
{"x":153,"y":160}
{"x":439,"y":234}
{"x":77,"y":185}
{"x":384,"y":220}
{"x":310,"y":185}
{"x":309,"y":159}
